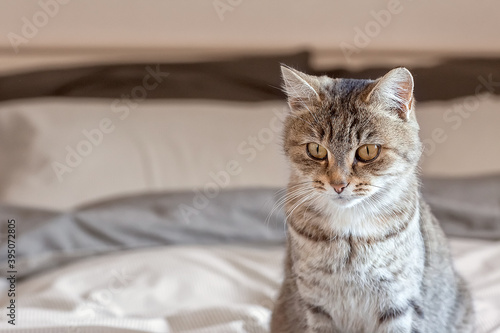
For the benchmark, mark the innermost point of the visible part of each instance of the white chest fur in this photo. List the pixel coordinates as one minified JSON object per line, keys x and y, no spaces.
{"x":354,"y":280}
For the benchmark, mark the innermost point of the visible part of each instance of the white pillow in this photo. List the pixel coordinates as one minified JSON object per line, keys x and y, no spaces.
{"x":460,"y":136}
{"x":62,"y":152}
{"x":58,"y":153}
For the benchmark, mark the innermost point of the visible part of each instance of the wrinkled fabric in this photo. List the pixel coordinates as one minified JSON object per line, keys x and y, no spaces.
{"x":198,"y":289}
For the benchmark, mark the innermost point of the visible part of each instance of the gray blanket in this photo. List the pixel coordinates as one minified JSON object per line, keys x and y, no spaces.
{"x":44,"y":239}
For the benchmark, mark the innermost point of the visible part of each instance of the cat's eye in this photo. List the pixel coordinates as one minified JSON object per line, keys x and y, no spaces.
{"x":316,"y":151}
{"x":367,"y":153}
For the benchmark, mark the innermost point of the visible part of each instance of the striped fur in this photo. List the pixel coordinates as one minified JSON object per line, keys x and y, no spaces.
{"x":372,"y":258}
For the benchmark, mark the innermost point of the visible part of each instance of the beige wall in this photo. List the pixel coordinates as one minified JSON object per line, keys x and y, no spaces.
{"x":131,"y":29}
{"x":420,"y":25}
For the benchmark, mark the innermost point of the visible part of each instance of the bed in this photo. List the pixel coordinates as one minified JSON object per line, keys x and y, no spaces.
{"x":133,"y":264}
{"x":141,"y":203}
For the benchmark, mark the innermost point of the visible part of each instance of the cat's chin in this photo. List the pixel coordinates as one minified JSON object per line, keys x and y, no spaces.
{"x":345,"y":202}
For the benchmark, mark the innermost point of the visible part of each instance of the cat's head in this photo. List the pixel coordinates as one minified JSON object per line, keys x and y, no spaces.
{"x":350,"y":141}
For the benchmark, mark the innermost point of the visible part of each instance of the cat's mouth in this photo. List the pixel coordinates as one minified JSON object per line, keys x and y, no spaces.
{"x":347,"y":196}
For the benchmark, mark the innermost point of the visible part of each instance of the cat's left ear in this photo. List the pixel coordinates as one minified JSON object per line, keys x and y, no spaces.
{"x":394,"y":91}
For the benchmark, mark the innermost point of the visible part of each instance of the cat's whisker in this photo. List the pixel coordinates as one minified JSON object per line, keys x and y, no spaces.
{"x":293,"y":193}
{"x":313,"y":201}
{"x":290,"y":186}
{"x":296,"y":206}
{"x":297,"y":192}
{"x":375,"y":186}
{"x":293,"y":196}
{"x":297,"y":184}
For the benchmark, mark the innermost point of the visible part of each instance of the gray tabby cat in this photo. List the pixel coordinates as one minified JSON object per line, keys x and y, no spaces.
{"x":364,"y":252}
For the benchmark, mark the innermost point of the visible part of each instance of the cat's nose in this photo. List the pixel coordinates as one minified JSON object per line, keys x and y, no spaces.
{"x":339,"y":187}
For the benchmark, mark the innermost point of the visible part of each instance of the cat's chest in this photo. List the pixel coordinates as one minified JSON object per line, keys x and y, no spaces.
{"x":340,"y":279}
{"x":350,"y":279}
{"x":343,"y":262}
{"x":347,"y":260}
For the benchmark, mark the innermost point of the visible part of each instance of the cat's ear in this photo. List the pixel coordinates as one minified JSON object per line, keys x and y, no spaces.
{"x":394,"y":91}
{"x":302,"y":89}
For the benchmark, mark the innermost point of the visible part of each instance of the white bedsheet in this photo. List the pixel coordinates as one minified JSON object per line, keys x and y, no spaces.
{"x":195,"y":290}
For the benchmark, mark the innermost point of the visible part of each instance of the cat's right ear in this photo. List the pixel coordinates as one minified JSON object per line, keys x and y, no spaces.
{"x":301,"y":89}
